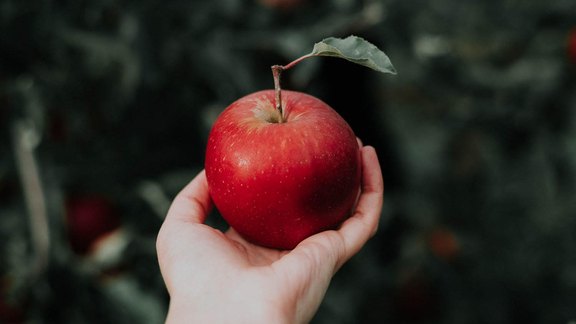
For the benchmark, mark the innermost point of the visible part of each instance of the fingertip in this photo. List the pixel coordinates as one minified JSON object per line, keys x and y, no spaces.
{"x":369,"y":149}
{"x":372,"y":179}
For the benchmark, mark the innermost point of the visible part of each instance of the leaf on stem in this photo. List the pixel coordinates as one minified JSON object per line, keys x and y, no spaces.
{"x":356,"y":50}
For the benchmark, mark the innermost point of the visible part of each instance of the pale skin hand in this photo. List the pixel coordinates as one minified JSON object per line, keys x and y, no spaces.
{"x":216,"y":277}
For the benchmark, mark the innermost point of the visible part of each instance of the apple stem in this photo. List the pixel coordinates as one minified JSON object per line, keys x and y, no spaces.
{"x":277,"y":72}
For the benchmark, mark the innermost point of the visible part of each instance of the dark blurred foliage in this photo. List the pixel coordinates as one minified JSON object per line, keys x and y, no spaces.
{"x":105,"y":107}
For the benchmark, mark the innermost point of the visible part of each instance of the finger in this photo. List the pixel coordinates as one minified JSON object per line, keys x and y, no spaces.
{"x":363,"y":224}
{"x":193,"y":203}
{"x":360,"y":145}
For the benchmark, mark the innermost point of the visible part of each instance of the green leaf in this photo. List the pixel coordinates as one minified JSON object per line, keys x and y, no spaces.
{"x":356,"y":50}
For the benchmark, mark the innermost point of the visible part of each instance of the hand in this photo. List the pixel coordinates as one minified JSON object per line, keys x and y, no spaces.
{"x":216,"y":277}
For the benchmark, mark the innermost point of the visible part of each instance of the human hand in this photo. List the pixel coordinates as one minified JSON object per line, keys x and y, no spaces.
{"x":216,"y":277}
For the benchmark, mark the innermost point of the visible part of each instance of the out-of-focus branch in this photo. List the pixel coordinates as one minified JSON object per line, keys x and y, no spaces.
{"x":25,"y":139}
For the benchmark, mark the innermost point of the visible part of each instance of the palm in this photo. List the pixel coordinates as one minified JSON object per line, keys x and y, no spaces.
{"x":253,"y":255}
{"x":228,"y":247}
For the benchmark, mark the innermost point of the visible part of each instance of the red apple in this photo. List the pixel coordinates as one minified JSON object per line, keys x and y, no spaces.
{"x":443,"y":243}
{"x":571,"y":45}
{"x":278,"y":177}
{"x":282,"y":166}
{"x":286,"y":5}
{"x":89,"y":219}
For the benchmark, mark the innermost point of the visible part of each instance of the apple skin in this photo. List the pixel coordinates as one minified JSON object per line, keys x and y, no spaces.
{"x":279,"y":183}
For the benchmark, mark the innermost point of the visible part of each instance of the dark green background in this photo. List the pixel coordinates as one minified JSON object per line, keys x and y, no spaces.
{"x":476,"y":136}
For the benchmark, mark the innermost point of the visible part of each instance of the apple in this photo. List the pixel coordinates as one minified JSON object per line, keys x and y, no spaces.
{"x":443,"y":243}
{"x":283,"y":165}
{"x":89,"y":218}
{"x":285,"y":5}
{"x":571,"y":45}
{"x":10,"y":313}
{"x":278,"y":180}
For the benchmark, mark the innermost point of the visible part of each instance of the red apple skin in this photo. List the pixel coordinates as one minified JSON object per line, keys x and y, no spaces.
{"x":279,"y":183}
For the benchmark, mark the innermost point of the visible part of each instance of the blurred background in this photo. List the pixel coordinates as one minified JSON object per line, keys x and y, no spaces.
{"x":105,"y":108}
